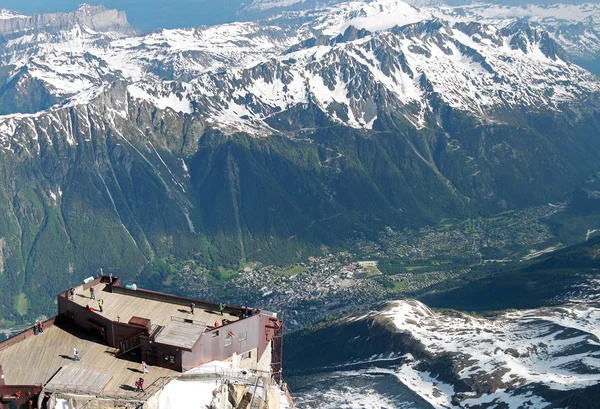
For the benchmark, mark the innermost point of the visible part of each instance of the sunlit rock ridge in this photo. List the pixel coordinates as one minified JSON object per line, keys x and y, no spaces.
{"x":543,"y":358}
{"x":351,"y":61}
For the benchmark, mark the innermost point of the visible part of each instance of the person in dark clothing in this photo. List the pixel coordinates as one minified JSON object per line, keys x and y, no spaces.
{"x":141,"y":382}
{"x":92,"y":293}
{"x":72,"y":292}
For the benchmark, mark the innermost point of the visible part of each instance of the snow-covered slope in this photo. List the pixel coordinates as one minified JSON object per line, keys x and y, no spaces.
{"x":576,"y":27}
{"x":353,"y":61}
{"x":558,"y":348}
{"x":470,"y":67}
{"x":543,"y":358}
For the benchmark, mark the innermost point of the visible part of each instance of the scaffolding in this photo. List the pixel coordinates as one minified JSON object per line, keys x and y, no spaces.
{"x":276,"y":348}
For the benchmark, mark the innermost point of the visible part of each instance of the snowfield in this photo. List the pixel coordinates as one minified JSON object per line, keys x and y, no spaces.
{"x":351,"y":60}
{"x":556,"y":347}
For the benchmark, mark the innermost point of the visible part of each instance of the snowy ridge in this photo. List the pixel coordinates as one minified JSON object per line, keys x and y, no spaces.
{"x":571,"y":13}
{"x":575,"y":27}
{"x":353,"y":61}
{"x":8,"y":14}
{"x":370,"y":15}
{"x":473,"y":68}
{"x":555,"y":347}
{"x":271,"y":4}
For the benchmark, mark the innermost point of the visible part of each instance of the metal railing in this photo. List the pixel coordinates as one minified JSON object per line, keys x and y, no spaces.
{"x":221,"y":375}
{"x":129,"y":344}
{"x":90,"y":391}
{"x":155,"y":331}
{"x":288,"y":395}
{"x":129,"y":396}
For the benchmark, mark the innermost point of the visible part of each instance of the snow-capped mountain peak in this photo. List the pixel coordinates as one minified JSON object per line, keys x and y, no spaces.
{"x":373,"y":15}
{"x":9,"y":14}
{"x":354,"y":62}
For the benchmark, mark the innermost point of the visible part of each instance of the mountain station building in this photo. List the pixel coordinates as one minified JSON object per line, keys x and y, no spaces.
{"x":171,"y":334}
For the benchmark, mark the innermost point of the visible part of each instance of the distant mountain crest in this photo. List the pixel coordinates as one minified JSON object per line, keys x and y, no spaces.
{"x":245,"y":76}
{"x":97,"y":18}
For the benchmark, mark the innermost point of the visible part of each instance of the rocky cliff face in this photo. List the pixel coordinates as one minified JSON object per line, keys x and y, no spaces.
{"x":97,"y":18}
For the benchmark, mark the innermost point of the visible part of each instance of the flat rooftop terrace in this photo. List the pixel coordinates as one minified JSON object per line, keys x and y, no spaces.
{"x":39,"y":358}
{"x":160,"y":310}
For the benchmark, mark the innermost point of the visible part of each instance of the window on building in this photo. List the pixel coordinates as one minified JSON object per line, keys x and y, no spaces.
{"x":228,"y":340}
{"x":215,"y":334}
{"x":243,"y":336}
{"x":169,"y":358}
{"x":247,"y":355}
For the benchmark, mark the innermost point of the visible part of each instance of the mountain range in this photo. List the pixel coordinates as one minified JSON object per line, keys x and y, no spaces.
{"x":267,"y":140}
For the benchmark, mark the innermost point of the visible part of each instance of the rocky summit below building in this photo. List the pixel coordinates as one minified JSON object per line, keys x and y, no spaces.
{"x":542,"y":358}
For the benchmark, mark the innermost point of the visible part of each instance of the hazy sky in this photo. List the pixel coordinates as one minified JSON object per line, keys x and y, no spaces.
{"x":145,"y":14}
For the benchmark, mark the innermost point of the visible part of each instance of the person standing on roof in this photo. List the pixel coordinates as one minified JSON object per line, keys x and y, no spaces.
{"x":145,"y":366}
{"x":100,"y":304}
{"x":41,"y":326}
{"x":221,"y":308}
{"x":192,"y":306}
{"x":92,"y":293}
{"x":72,"y":292}
{"x":76,"y":356}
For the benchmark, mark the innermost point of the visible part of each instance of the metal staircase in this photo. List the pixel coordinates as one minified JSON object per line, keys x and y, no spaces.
{"x":129,"y":345}
{"x":245,"y":402}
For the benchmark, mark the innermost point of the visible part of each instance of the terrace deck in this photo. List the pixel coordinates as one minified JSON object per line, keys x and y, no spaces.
{"x":47,"y":358}
{"x":37,"y":359}
{"x":76,"y":376}
{"x":122,"y":307}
